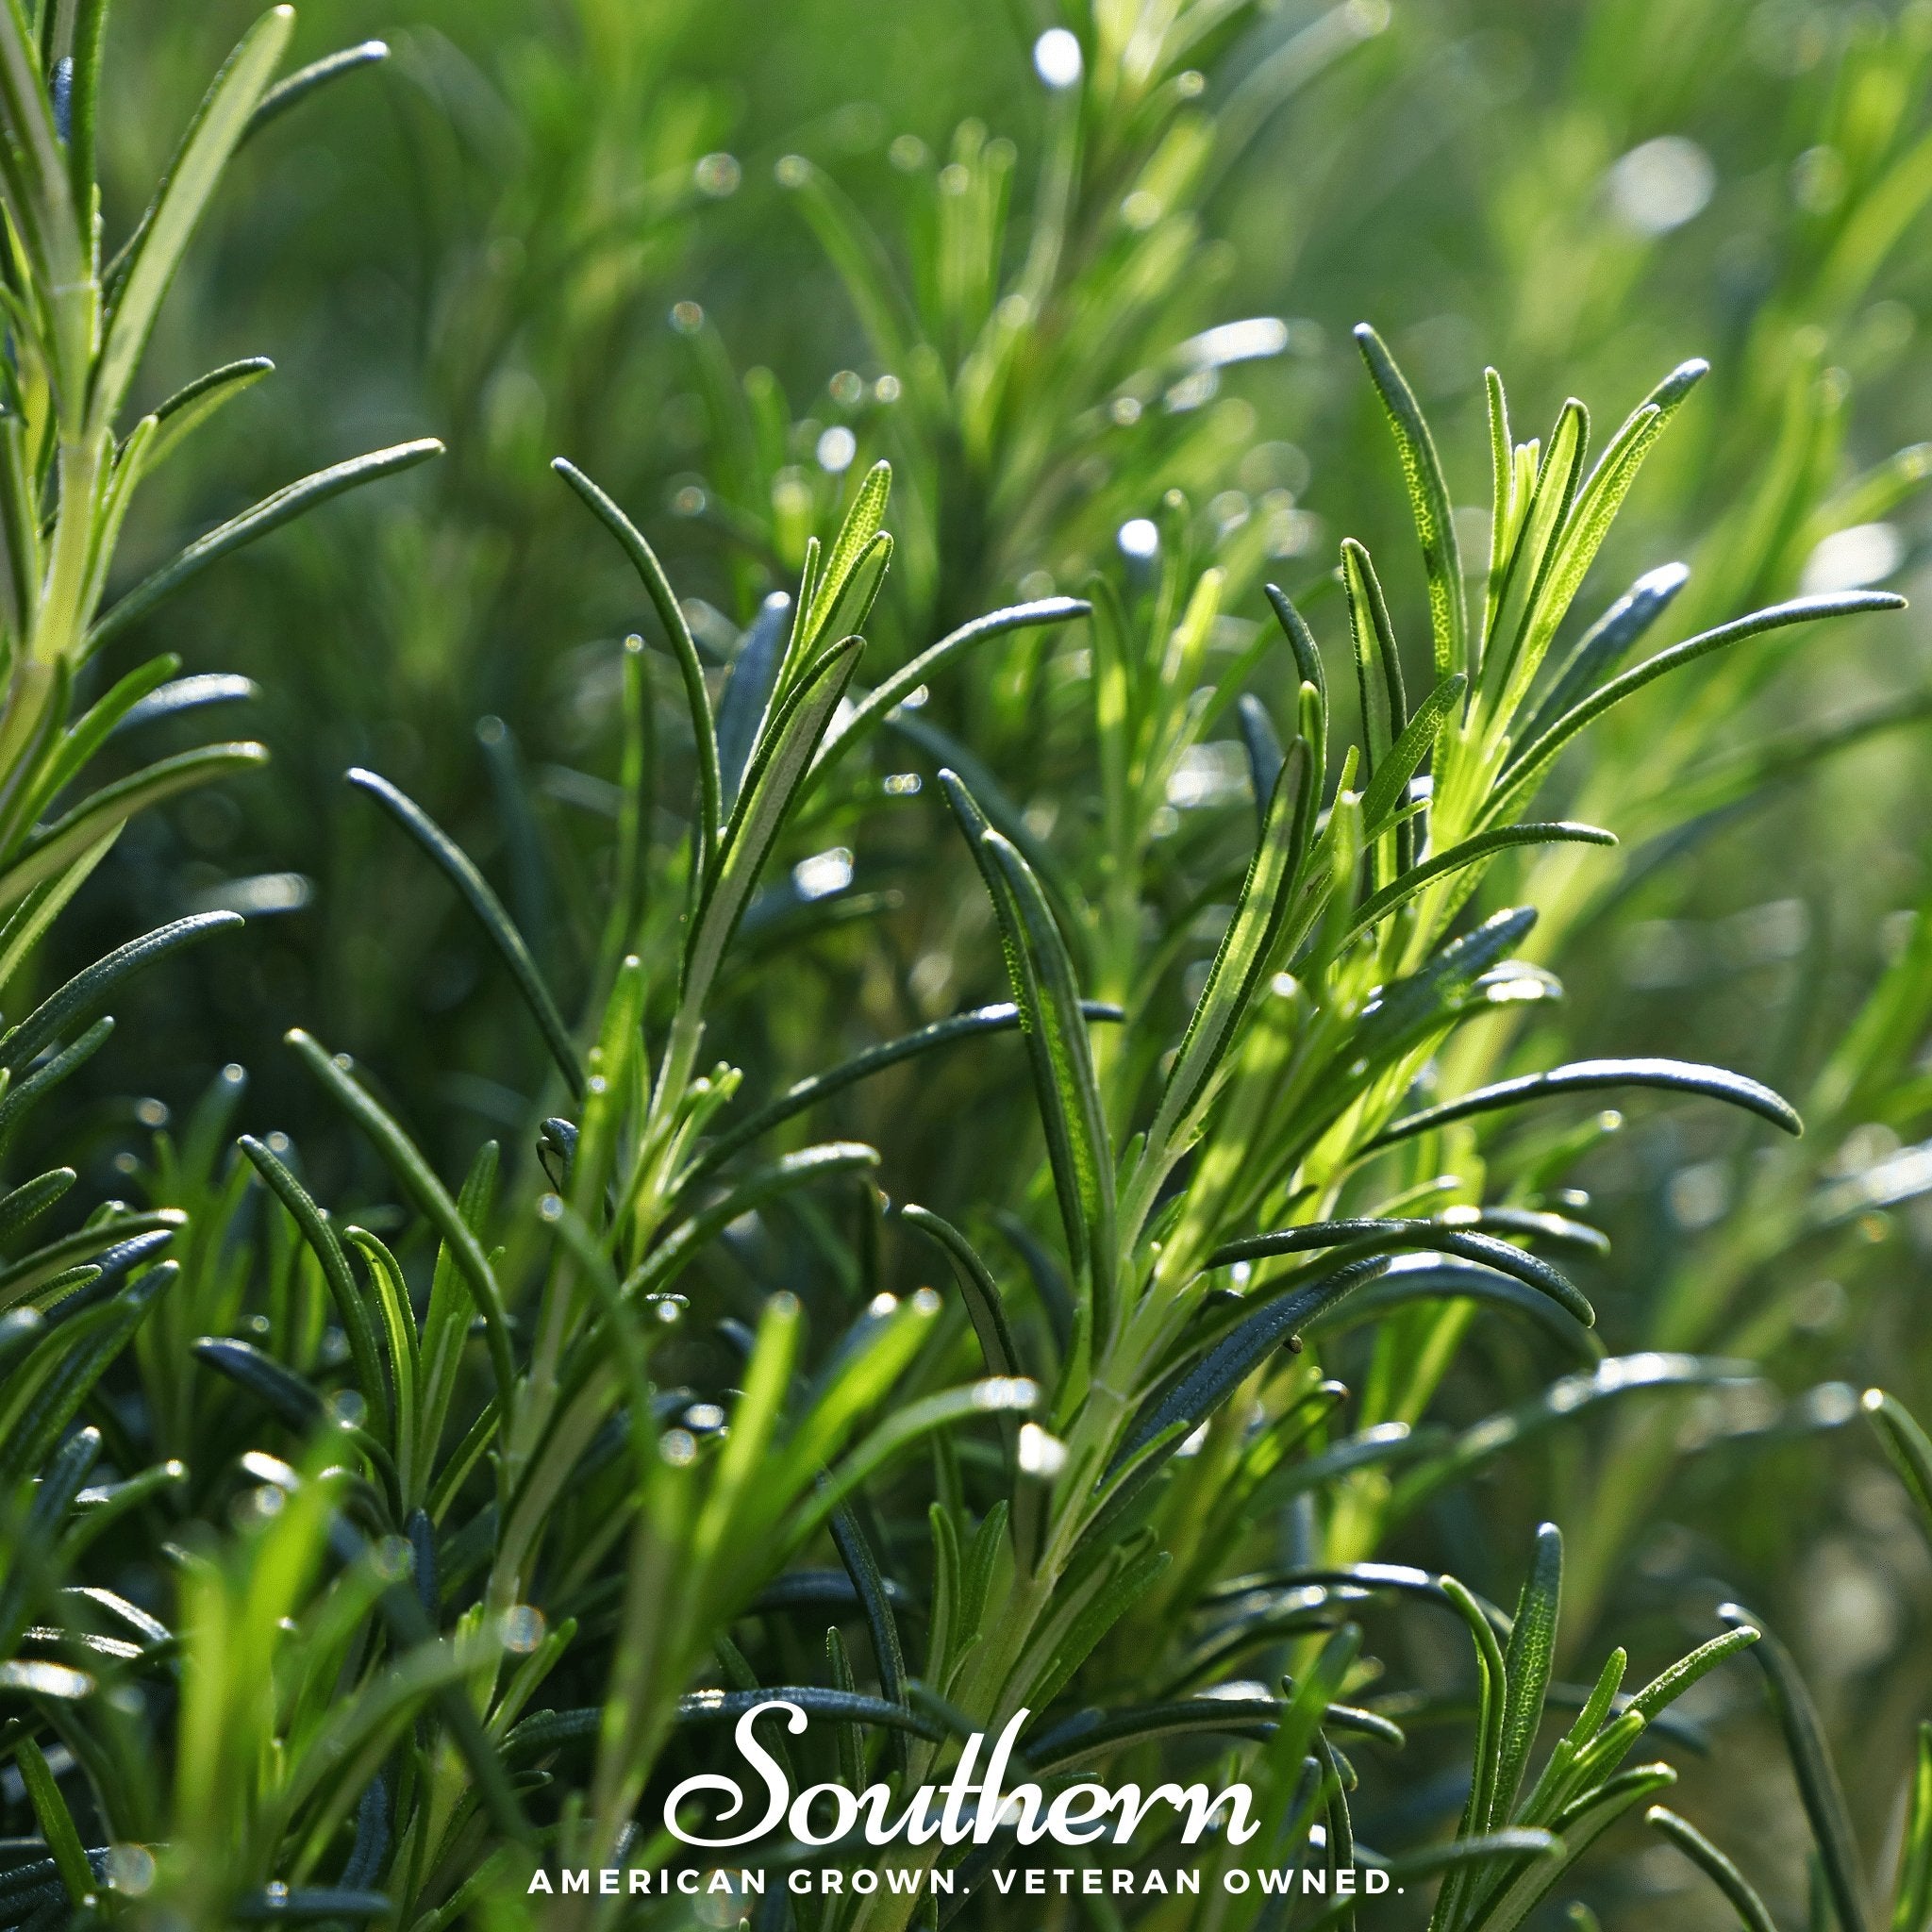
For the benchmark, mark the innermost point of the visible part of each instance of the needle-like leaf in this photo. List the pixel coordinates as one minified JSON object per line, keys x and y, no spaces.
{"x":1473,"y":851}
{"x":1591,"y":1077}
{"x":1817,"y":1784}
{"x":1751,"y":1910}
{"x":1429,"y":504}
{"x":748,"y":691}
{"x":211,"y":138}
{"x":305,"y":80}
{"x":1906,"y":1443}
{"x":1248,"y":947}
{"x":1527,"y":1663}
{"x":501,"y":930}
{"x":321,"y":1237}
{"x":985,"y":1304}
{"x":432,"y":1200}
{"x":52,"y":850}
{"x":84,"y":995}
{"x":869,"y":711}
{"x":192,"y":405}
{"x":1607,"y":642}
{"x":1529,"y":764}
{"x":684,"y":648}
{"x":771,"y":781}
{"x":271,"y":513}
{"x":803,"y":1094}
{"x":1388,"y":789}
{"x":1068,"y":1090}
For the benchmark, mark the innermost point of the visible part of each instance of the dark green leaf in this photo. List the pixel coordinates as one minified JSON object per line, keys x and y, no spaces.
{"x":772,"y":782}
{"x":1301,"y":640}
{"x":1056,"y":1026}
{"x":56,"y":1822}
{"x":1818,"y":1786}
{"x":32,"y":1273}
{"x":1472,"y":851}
{"x":1607,"y":642}
{"x":1002,"y":1018}
{"x":350,"y":1308}
{"x":75,"y":1357}
{"x":431,"y":1198}
{"x":666,"y":1260}
{"x":1080,"y":1167}
{"x":871,"y":709}
{"x":71,"y":1294}
{"x":1369,"y":1237}
{"x":188,"y":694}
{"x":748,"y":693}
{"x":459,"y":869}
{"x":1415,"y":1277}
{"x":856,"y":1553}
{"x":984,"y":1302}
{"x":1263,"y":746}
{"x":21,"y":1099}
{"x":20,"y":1329}
{"x":851,"y":1743}
{"x":1407,"y":1011}
{"x":1590,"y":1076}
{"x":296,"y":1401}
{"x":1529,"y":763}
{"x":1135,"y":1573}
{"x":1577,"y":1830}
{"x":90,"y":34}
{"x":1232,"y":1359}
{"x":684,"y":648}
{"x":61,"y":1480}
{"x":1906,"y":1444}
{"x":271,"y":513}
{"x":304,"y":82}
{"x":32,"y":1199}
{"x":1750,"y":1908}
{"x":1484,"y":1810}
{"x":56,"y":847}
{"x":188,"y":409}
{"x":87,"y":733}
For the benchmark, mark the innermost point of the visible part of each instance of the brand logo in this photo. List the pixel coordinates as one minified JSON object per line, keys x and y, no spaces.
{"x":1082,"y":1814}
{"x":970,"y":1806}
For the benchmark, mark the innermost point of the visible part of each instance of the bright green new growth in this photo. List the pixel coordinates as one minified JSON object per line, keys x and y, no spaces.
{"x":77,"y":323}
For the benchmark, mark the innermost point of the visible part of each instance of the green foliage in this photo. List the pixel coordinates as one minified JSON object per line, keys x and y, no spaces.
{"x":371,"y":1539}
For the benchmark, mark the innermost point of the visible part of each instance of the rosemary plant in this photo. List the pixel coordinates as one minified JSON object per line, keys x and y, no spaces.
{"x":380,"y":1562}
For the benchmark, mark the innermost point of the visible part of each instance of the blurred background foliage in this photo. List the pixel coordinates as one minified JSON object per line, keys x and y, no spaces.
{"x":625,"y":233}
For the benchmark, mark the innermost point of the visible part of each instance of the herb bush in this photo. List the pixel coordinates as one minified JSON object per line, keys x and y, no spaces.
{"x":1039,"y":1157}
